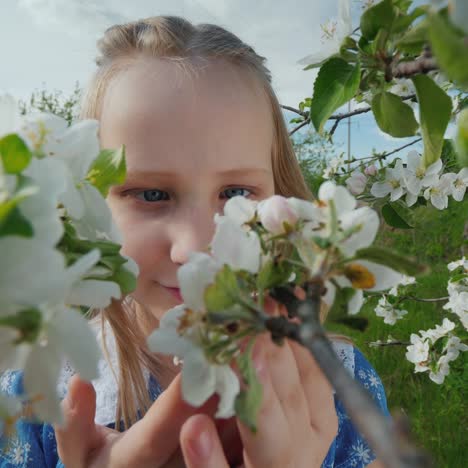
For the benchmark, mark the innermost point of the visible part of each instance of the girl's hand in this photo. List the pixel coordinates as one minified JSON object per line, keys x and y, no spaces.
{"x":297,"y":421}
{"x":151,"y":442}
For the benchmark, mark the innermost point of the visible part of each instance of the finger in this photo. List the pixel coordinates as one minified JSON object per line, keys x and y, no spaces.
{"x":318,"y":392}
{"x":272,"y":440}
{"x":287,"y":385}
{"x":201,"y":445}
{"x":156,"y":436}
{"x":78,"y":436}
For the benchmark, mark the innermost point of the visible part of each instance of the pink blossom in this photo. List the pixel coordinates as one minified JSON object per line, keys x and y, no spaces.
{"x":275,"y":212}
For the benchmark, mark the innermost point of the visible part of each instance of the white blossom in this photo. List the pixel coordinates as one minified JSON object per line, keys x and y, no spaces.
{"x":462,"y":262}
{"x":334,"y":35}
{"x":275,"y":213}
{"x":403,"y":87}
{"x":459,"y":183}
{"x":333,"y":166}
{"x":194,"y":276}
{"x":76,"y":147}
{"x":240,"y":209}
{"x":234,"y":246}
{"x":439,"y":192}
{"x":418,"y":352}
{"x":417,"y":176}
{"x":393,"y":185}
{"x":458,"y":301}
{"x":201,"y":378}
{"x":405,"y":281}
{"x":386,"y":310}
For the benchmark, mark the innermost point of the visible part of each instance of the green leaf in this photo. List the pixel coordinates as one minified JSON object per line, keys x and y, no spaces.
{"x":14,"y":153}
{"x":461,"y":138}
{"x":393,"y":116}
{"x":435,"y":110}
{"x":403,"y":22}
{"x":249,"y":400}
{"x":273,"y":274}
{"x":377,"y":17}
{"x":387,"y":257}
{"x":450,"y":49}
{"x":397,"y":215}
{"x":11,"y":220}
{"x":339,"y":308}
{"x":108,"y":169}
{"x":337,"y":82}
{"x":15,"y":224}
{"x":415,"y":39}
{"x":223,"y":293}
{"x":125,"y":279}
{"x":28,"y":322}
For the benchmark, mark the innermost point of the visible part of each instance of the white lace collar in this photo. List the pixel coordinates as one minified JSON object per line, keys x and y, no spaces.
{"x":106,"y":386}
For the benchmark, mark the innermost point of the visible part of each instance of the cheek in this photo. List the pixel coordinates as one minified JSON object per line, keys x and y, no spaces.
{"x":143,"y":239}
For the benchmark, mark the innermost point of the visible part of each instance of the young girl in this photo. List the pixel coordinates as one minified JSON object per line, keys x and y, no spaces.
{"x":201,"y":124}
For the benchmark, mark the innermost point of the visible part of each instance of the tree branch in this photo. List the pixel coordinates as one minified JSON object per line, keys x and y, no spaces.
{"x":378,"y":157}
{"x":387,"y":343}
{"x":392,"y":449}
{"x":303,"y":124}
{"x":297,"y":111}
{"x":422,"y":64}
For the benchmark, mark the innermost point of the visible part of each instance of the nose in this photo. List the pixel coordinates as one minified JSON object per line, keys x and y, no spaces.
{"x":192,"y":231}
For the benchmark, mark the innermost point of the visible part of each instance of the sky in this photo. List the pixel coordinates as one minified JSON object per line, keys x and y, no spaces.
{"x":51,"y":44}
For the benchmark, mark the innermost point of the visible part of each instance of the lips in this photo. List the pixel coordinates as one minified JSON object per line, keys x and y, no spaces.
{"x":175,"y":292}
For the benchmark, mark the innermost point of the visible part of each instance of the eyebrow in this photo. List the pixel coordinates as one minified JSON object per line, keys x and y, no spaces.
{"x":146,"y":175}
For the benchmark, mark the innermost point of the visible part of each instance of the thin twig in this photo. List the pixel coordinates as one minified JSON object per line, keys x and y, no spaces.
{"x":373,"y":425}
{"x":378,"y":157}
{"x":387,"y":343}
{"x":336,"y":117}
{"x":421,"y":299}
{"x":297,"y":111}
{"x":303,"y":124}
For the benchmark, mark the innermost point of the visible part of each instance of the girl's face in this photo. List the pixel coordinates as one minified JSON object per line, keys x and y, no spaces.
{"x":192,"y":142}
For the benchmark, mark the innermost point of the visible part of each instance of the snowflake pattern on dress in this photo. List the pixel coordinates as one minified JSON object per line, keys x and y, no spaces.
{"x":35,"y":446}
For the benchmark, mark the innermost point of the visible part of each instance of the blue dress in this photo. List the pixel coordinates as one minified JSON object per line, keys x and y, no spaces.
{"x":34,"y":445}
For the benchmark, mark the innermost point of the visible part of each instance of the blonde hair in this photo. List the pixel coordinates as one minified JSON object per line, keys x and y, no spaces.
{"x":175,"y":38}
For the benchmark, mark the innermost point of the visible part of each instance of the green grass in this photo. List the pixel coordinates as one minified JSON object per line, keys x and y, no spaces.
{"x":438,"y":413}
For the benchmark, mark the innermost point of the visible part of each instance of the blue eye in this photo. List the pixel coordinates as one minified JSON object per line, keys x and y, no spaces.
{"x":152,"y":195}
{"x":235,"y":192}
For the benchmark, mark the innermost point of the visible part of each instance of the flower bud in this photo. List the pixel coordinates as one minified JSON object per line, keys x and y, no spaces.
{"x":274,"y":212}
{"x":357,"y":182}
{"x":370,"y":170}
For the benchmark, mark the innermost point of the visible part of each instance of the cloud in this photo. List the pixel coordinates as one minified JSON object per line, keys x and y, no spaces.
{"x":71,"y":16}
{"x":281,"y":31}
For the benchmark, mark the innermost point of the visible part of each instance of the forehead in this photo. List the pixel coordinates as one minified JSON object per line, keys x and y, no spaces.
{"x":212,"y":117}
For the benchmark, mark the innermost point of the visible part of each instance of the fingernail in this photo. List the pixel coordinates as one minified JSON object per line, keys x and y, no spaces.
{"x":201,"y":446}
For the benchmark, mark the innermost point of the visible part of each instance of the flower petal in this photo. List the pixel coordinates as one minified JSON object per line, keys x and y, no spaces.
{"x":385,"y":277}
{"x":70,"y":332}
{"x":240,"y":209}
{"x":198,"y":378}
{"x":233,"y":246}
{"x":194,"y":276}
{"x":227,"y":387}
{"x":355,"y":303}
{"x":368,"y":221}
